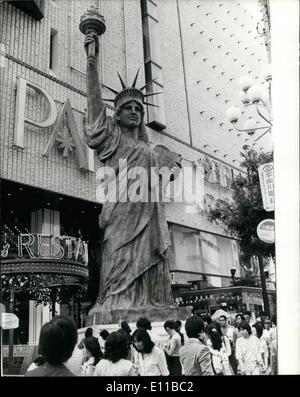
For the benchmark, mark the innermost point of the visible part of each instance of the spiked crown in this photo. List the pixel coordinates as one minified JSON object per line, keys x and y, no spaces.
{"x":131,"y":93}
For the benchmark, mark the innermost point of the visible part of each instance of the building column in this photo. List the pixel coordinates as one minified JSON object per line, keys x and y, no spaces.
{"x":43,"y":221}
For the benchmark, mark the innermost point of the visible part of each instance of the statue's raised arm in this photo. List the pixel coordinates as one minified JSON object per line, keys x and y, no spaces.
{"x":92,"y":24}
{"x":94,"y":96}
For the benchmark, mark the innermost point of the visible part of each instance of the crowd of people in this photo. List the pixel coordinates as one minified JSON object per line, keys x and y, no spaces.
{"x":209,"y":346}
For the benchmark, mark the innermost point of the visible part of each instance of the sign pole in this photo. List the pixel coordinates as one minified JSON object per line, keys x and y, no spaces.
{"x":11,"y":331}
{"x":1,"y":347}
{"x":263,"y":286}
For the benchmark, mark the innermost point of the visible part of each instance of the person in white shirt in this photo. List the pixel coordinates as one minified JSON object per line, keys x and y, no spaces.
{"x":93,"y":354}
{"x":115,"y":362}
{"x":172,"y":348}
{"x":257,"y":331}
{"x":247,"y":352}
{"x":149,"y":359}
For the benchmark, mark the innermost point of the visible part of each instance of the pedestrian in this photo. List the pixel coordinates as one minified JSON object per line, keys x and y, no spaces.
{"x":194,"y":355}
{"x":248,"y":317}
{"x":104,"y":334}
{"x":239,"y":319}
{"x":115,"y":362}
{"x":126,"y":328}
{"x":149,"y":359}
{"x":57,"y":340}
{"x":228,"y":330}
{"x":172,"y":348}
{"x":247,"y":352}
{"x":273,"y":347}
{"x":220,"y":350}
{"x":93,"y":354}
{"x":257,"y":330}
{"x":88,"y":334}
{"x":178,"y":329}
{"x":145,"y":323}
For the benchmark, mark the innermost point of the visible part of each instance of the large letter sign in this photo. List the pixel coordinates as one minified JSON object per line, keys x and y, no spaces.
{"x":20,"y":118}
{"x":85,"y":156}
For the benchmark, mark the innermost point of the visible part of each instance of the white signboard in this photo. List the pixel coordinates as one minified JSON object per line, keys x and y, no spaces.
{"x":266,"y":179}
{"x":266,"y":231}
{"x":9,"y":321}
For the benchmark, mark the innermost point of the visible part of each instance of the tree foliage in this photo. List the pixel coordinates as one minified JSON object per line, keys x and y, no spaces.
{"x":245,"y":211}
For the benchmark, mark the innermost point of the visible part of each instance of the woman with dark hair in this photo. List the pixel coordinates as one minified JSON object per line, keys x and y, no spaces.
{"x":104,"y":334}
{"x":172,"y":349}
{"x":149,"y":359}
{"x":247,"y":352}
{"x":145,"y":323}
{"x":126,"y":328}
{"x":178,"y":329}
{"x":257,"y":330}
{"x":93,"y":354}
{"x":115,"y":362}
{"x":220,"y":349}
{"x":57,"y":340}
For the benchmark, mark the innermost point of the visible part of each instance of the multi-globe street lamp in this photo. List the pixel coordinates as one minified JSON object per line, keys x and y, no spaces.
{"x":257,"y":96}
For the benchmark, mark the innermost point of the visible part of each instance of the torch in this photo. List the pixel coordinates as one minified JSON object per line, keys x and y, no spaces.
{"x":92,"y":22}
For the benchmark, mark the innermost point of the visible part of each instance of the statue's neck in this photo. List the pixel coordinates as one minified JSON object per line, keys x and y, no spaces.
{"x":131,"y":133}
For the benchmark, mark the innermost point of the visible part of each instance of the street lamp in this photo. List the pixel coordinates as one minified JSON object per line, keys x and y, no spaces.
{"x":233,"y":271}
{"x":253,"y":95}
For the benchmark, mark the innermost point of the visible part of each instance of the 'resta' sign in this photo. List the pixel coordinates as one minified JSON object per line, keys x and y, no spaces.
{"x":266,"y":179}
{"x":34,"y":246}
{"x":85,"y":155}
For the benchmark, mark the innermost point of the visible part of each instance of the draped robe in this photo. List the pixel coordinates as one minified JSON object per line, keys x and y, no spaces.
{"x":134,"y":270}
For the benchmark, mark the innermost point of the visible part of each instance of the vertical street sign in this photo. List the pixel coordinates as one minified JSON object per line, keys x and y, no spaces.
{"x":266,"y":180}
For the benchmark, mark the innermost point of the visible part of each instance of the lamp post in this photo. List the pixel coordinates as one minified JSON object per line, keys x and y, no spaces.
{"x":233,"y":271}
{"x":253,"y":95}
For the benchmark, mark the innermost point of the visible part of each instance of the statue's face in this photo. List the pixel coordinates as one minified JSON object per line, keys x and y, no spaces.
{"x":130,"y":115}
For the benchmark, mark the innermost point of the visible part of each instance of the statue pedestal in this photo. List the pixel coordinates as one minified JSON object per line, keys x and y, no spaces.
{"x":131,"y":315}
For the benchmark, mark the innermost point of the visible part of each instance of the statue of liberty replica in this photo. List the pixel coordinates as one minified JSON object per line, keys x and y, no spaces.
{"x":134,"y":275}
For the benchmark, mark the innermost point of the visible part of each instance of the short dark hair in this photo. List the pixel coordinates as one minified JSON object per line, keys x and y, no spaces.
{"x":104,"y":334}
{"x":248,"y":313}
{"x":93,"y":346}
{"x":57,"y":339}
{"x":88,"y":332}
{"x":194,"y":326}
{"x":222,"y":316}
{"x":141,"y":335}
{"x":206,"y":318}
{"x":170,"y":324}
{"x":240,"y":315}
{"x":247,"y":327}
{"x":125,"y":327}
{"x":259,"y":329}
{"x":178,"y":323}
{"x":143,"y":322}
{"x":116,"y":346}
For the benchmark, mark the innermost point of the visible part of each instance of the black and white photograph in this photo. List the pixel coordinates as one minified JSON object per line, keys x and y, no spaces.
{"x":149,"y":171}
